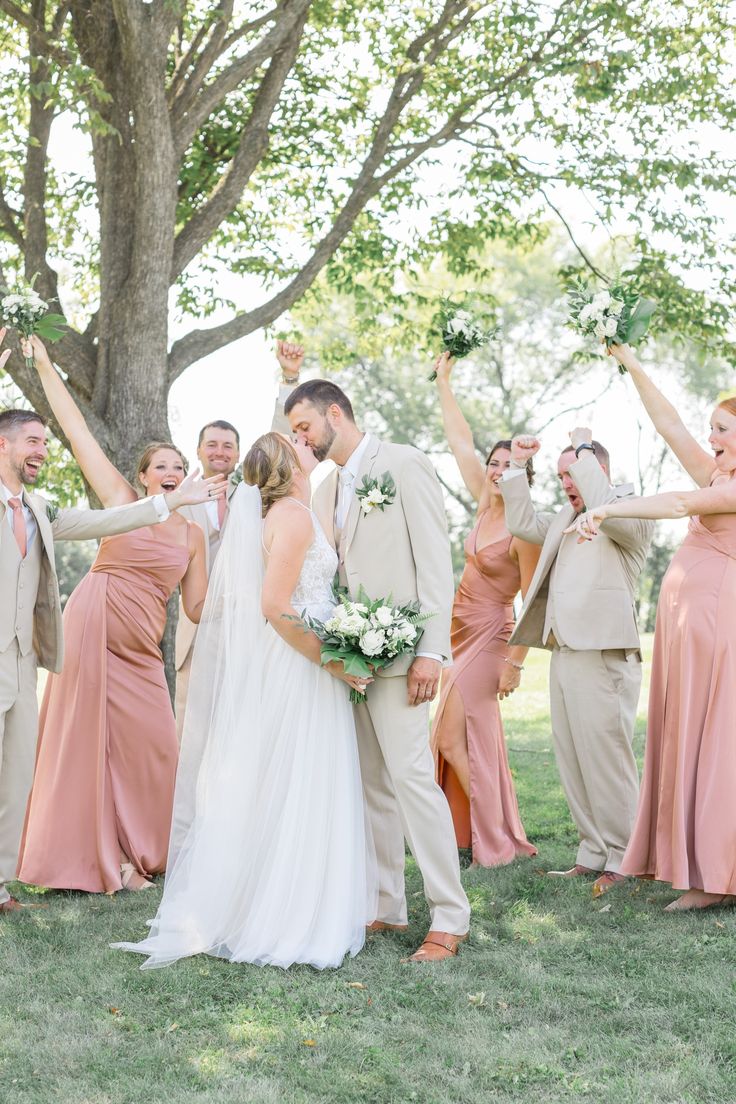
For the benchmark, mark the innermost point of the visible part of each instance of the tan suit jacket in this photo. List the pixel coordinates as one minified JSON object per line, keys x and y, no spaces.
{"x":403,"y":551}
{"x":67,"y":524}
{"x":594,"y":582}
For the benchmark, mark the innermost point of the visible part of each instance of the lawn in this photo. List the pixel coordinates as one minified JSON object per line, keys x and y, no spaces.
{"x":554,"y":997}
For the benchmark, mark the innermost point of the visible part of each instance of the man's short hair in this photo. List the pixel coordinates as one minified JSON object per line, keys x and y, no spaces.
{"x":219,"y":424}
{"x":321,"y":394}
{"x":599,"y":451}
{"x":12,"y":420}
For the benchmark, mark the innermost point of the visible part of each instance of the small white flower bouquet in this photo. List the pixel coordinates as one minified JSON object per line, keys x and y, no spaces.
{"x":367,"y":635}
{"x":460,"y":335}
{"x":617,"y":315}
{"x":25,"y":310}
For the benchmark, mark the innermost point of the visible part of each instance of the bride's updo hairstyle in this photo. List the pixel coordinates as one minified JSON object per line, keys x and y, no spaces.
{"x":270,"y":464}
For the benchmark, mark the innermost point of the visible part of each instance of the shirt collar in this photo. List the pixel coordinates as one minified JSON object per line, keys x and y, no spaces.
{"x":352,"y":464}
{"x":8,"y":494}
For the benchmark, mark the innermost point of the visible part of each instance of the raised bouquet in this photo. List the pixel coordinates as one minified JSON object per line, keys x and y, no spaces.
{"x":617,"y":315}
{"x":459,"y":333}
{"x":25,"y":310}
{"x":367,"y":635}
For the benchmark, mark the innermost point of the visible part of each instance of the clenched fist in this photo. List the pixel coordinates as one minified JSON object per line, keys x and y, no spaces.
{"x":523,"y":448}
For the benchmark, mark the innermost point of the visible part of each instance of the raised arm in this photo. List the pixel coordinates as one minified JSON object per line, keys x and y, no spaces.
{"x":698,"y":463}
{"x":4,"y":355}
{"x":112,"y":488}
{"x":194,"y":582}
{"x":290,"y":357}
{"x":522,"y":520}
{"x":459,"y":436}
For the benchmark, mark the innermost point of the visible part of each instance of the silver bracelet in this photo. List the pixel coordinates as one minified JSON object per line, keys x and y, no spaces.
{"x":518,"y":666}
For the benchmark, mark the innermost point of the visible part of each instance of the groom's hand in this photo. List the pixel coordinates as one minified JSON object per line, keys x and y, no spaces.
{"x":423,"y":679}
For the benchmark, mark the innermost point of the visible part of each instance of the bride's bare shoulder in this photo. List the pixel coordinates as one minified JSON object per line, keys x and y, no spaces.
{"x":288,"y":518}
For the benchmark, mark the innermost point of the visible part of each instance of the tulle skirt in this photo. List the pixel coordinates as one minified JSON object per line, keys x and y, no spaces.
{"x":277,"y":866}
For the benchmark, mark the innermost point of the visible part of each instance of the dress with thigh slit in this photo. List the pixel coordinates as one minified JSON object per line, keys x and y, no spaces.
{"x":482,"y":622}
{"x":107,"y":750}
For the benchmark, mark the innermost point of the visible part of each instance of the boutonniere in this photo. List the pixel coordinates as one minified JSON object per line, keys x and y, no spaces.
{"x":376,"y":493}
{"x":236,"y":477}
{"x":52,"y":512}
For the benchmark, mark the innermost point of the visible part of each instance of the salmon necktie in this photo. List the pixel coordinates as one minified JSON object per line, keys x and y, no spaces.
{"x":19,"y":525}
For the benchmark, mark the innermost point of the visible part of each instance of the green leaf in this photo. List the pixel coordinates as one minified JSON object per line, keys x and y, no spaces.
{"x":639,"y":321}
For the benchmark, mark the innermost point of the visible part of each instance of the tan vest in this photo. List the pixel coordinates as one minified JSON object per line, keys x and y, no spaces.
{"x":16,"y":615}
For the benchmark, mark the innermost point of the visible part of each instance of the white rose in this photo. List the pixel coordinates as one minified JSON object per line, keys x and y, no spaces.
{"x":375,"y":496}
{"x":384,"y":616}
{"x":407,"y":632}
{"x":358,"y":607}
{"x":457,"y":326}
{"x":372,"y":642}
{"x":600,"y":329}
{"x":610,"y":326}
{"x":616,"y":306}
{"x":586,"y":313}
{"x":601,"y":300}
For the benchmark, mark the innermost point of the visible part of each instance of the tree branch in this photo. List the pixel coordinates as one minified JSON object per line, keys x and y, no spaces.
{"x":199,"y":343}
{"x":196,"y":101}
{"x":27,"y":19}
{"x":253,"y":144}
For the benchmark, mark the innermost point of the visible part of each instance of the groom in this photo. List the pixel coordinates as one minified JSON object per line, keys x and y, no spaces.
{"x":400,"y":550}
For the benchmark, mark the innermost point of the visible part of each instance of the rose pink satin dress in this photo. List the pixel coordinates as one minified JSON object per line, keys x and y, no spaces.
{"x":685,"y":829}
{"x":107,"y":751}
{"x":482,"y":621}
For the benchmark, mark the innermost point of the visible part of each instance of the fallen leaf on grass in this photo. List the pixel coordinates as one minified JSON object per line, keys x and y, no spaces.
{"x":502,"y":1005}
{"x":355,"y":985}
{"x":114,"y":1011}
{"x":606,"y":908}
{"x":476,"y":998}
{"x":172,"y":1027}
{"x":309,"y":1042}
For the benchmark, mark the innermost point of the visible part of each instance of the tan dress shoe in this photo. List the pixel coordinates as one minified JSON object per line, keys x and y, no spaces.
{"x":436,"y":947}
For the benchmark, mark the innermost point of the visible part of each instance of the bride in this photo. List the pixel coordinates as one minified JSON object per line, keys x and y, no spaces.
{"x":268,"y":857}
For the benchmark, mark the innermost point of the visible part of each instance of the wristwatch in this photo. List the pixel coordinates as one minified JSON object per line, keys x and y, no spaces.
{"x":580,"y":448}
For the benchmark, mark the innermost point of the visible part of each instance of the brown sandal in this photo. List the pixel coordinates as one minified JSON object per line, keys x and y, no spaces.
{"x":448,"y":946}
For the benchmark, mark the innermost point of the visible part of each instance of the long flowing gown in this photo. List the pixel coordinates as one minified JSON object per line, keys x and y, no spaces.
{"x":685,"y":829}
{"x":270,"y":859}
{"x":482,"y":622}
{"x":107,"y":751}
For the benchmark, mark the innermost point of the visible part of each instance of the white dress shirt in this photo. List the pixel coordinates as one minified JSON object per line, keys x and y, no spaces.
{"x":31,"y":526}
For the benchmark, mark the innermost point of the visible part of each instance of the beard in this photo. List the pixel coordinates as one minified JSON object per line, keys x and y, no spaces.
{"x":322,"y":449}
{"x":26,"y":475}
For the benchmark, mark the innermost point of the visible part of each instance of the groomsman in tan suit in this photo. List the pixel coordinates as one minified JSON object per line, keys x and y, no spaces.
{"x":218,"y":451}
{"x":402,"y":551}
{"x":581,"y":607}
{"x":30,"y":611}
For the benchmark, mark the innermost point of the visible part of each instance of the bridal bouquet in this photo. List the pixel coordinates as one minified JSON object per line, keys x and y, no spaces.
{"x":459,"y":334}
{"x":617,"y":315}
{"x":27,"y":312}
{"x":367,"y":635}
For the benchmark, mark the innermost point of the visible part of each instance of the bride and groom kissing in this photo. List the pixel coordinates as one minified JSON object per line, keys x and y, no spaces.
{"x":292,"y":806}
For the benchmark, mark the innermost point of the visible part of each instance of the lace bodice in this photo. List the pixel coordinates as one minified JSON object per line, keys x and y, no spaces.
{"x":314,"y":589}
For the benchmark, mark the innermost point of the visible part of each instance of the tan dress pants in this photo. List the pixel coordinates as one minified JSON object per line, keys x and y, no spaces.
{"x":18,"y":738}
{"x":593,"y":699}
{"x":403,"y":800}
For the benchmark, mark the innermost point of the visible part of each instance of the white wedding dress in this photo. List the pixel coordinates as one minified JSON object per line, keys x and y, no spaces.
{"x":269,"y":859}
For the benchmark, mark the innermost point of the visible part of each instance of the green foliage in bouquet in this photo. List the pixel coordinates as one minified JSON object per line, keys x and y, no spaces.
{"x":617,"y":315}
{"x":459,"y":334}
{"x":24,"y":309}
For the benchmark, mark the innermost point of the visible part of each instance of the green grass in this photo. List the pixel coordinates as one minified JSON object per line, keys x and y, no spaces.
{"x":555,"y":997}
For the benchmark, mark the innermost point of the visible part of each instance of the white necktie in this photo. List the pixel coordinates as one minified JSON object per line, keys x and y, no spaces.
{"x":347,"y":478}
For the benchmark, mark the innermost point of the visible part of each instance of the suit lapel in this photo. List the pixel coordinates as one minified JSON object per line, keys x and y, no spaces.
{"x":37,"y":506}
{"x":551,"y":545}
{"x":354,"y":513}
{"x":324,"y":501}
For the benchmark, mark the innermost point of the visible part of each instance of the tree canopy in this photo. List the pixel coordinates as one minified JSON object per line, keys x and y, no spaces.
{"x":350,"y":140}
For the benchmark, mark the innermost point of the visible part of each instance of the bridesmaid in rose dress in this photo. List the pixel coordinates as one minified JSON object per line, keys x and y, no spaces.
{"x":685,"y":829}
{"x":467,"y":735}
{"x":99,"y":813}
